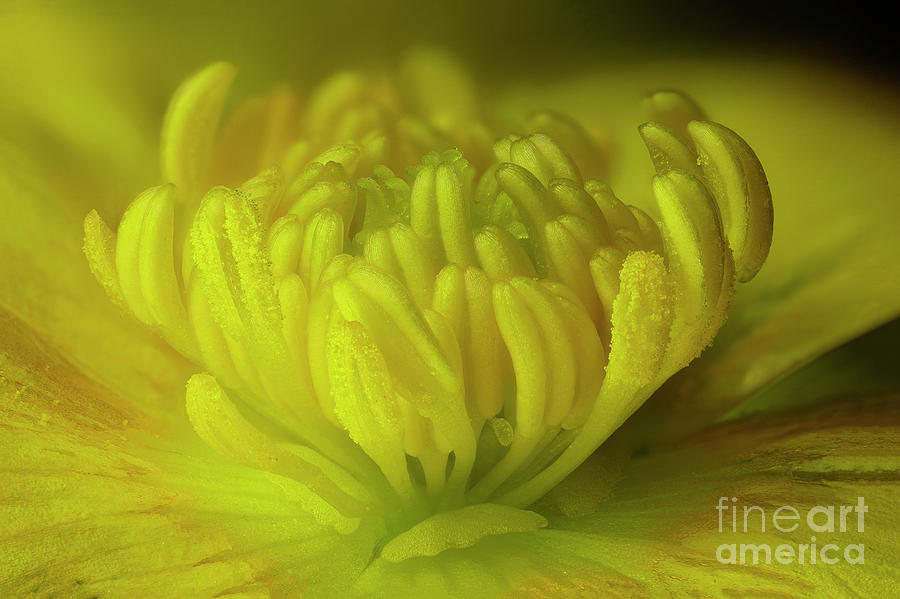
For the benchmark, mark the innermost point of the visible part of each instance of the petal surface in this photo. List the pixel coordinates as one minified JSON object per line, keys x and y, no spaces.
{"x":655,"y":534}
{"x":829,"y":457}
{"x":99,"y":498}
{"x":45,"y":281}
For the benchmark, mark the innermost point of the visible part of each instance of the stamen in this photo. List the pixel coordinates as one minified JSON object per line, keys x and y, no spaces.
{"x":322,"y":186}
{"x":616,"y":213}
{"x":100,"y":249}
{"x":674,"y":110}
{"x":667,"y":151}
{"x":222,"y":427}
{"x":522,"y":336}
{"x":400,"y":346}
{"x":267,"y":126}
{"x":285,"y":242}
{"x":189,"y":128}
{"x":570,"y":241}
{"x":439,"y":209}
{"x":588,"y":155}
{"x":538,"y":155}
{"x":323,"y":240}
{"x":214,"y":347}
{"x":128,"y":244}
{"x":695,"y":241}
{"x":464,"y":298}
{"x":737,"y":180}
{"x":641,"y":322}
{"x":365,"y":404}
{"x":294,"y":302}
{"x":501,"y":255}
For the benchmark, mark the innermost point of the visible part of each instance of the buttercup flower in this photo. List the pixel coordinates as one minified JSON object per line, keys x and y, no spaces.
{"x":406,"y":325}
{"x":429,"y":353}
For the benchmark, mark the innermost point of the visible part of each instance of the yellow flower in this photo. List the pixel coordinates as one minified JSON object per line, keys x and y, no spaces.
{"x":415,"y":324}
{"x":476,"y":333}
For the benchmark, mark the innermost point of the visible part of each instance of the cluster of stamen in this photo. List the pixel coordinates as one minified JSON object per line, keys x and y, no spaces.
{"x":456,"y":336}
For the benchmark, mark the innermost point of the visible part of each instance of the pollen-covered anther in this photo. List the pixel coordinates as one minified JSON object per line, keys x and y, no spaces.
{"x":437,"y":340}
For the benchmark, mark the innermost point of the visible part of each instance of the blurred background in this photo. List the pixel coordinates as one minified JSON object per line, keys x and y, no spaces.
{"x":108,"y":68}
{"x":505,"y":38}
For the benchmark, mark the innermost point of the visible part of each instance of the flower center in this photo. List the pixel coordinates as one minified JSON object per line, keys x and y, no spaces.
{"x":452,"y":339}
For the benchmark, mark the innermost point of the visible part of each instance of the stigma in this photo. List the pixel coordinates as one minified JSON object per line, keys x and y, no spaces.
{"x":412,"y":317}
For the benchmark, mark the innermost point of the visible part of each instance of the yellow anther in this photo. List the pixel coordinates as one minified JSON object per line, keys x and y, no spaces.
{"x":739,"y":184}
{"x":347,"y":155}
{"x":573,"y":200}
{"x":416,"y":269}
{"x":330,"y":102}
{"x":337,"y":268}
{"x":323,"y":322}
{"x":449,"y":345}
{"x":322,"y":186}
{"x":385,"y":200}
{"x":364,"y":401}
{"x":528,"y":194}
{"x":294,"y":302}
{"x":218,"y":422}
{"x":590,"y":357}
{"x":464,"y":298}
{"x":100,"y":249}
{"x":558,"y":349}
{"x":590,"y":159}
{"x":641,"y":323}
{"x":439,"y":210}
{"x":568,"y":251}
{"x":190,"y":126}
{"x":128,"y":254}
{"x":539,"y":155}
{"x":295,"y":158}
{"x":279,"y":127}
{"x":450,"y":299}
{"x":264,"y":192}
{"x":605,"y":265}
{"x":256,"y":136}
{"x":379,"y":251}
{"x":641,"y":319}
{"x":323,"y":240}
{"x":674,"y":110}
{"x":285,"y":243}
{"x":215,"y":275}
{"x":522,"y":336}
{"x":374,"y":151}
{"x":214,"y":347}
{"x":695,"y":243}
{"x":667,"y":150}
{"x":159,"y":286}
{"x":424,"y":372}
{"x":257,"y":300}
{"x":390,"y":315}
{"x":501,"y":255}
{"x":650,"y":235}
{"x":502,"y":430}
{"x":487,"y":357}
{"x":617,"y":214}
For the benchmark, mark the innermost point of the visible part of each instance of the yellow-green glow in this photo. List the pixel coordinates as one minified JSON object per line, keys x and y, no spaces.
{"x":413,"y":318}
